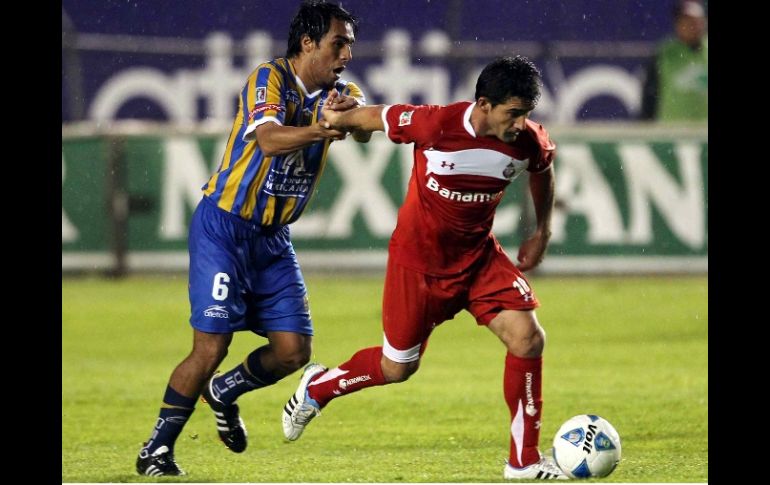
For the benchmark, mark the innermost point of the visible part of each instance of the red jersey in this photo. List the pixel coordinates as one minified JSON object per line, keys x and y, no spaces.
{"x":457,"y":182}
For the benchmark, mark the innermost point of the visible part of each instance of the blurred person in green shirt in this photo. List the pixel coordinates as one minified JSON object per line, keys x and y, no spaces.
{"x":676,"y":84}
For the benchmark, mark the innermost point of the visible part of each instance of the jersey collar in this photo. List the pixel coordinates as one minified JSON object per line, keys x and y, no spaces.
{"x":467,"y":120}
{"x":304,"y":89}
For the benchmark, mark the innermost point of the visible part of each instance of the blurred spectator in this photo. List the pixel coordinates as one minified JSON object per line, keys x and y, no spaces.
{"x":676,"y":84}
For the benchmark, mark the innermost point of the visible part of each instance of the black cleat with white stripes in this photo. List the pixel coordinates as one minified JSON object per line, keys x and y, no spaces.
{"x":160,"y":463}
{"x":230,"y":426}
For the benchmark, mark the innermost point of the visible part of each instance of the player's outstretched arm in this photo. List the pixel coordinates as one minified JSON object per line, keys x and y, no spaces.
{"x":365,"y":118}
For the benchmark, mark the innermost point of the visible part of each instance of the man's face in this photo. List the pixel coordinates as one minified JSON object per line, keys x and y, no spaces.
{"x":690,"y":30}
{"x":332,"y":54}
{"x":508,"y":119}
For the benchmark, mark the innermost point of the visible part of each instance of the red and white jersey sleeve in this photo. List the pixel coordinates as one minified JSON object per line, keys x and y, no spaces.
{"x":406,"y":123}
{"x":457,"y":181}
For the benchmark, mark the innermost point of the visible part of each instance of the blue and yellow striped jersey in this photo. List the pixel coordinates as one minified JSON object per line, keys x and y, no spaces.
{"x":272,"y":191}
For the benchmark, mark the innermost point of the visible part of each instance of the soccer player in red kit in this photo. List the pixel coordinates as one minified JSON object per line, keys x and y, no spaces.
{"x":443,"y":257}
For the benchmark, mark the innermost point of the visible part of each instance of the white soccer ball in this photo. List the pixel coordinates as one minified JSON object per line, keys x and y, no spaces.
{"x":587,"y":446}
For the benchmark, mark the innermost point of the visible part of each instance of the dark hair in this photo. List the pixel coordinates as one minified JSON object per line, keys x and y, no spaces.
{"x":314,"y":19}
{"x":506,"y":77}
{"x":692,"y":8}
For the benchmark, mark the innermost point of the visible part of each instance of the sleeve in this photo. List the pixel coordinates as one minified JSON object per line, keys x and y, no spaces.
{"x":406,"y":123}
{"x":264,"y":98}
{"x":351,"y":89}
{"x":545,"y":149}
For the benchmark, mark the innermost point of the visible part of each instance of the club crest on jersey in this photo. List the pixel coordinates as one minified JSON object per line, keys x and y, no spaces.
{"x":261,"y":95}
{"x":405,"y":118}
{"x":514,"y":169}
{"x":509,"y":170}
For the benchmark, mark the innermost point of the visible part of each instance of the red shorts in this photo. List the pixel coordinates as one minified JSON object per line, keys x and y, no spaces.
{"x":415,"y":303}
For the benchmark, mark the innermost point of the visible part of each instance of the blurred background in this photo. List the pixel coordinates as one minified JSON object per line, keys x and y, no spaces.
{"x":149,"y":90}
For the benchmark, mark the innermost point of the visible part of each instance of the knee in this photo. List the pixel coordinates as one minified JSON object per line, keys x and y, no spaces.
{"x":210,"y":349}
{"x":529,"y":345}
{"x":397,"y":371}
{"x":289,"y":359}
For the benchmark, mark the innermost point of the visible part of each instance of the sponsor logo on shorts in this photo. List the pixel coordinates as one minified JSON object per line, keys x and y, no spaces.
{"x":216,"y":311}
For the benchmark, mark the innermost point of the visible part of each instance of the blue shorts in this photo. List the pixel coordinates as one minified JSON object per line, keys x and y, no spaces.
{"x":243,"y":276}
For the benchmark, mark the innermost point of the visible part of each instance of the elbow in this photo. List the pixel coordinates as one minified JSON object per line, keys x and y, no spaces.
{"x":265,"y":135}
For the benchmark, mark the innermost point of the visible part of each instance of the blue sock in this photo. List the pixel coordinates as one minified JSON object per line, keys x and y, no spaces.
{"x":174,"y":413}
{"x":243,"y":378}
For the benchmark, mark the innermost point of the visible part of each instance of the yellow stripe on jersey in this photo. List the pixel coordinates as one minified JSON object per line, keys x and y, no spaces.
{"x":267,"y":214}
{"x":354,"y":91}
{"x":212,"y":186}
{"x":250,"y":203}
{"x":230,"y":189}
{"x":288,"y":209}
{"x":321,"y":167}
{"x":237,"y":124}
{"x":272,"y":94}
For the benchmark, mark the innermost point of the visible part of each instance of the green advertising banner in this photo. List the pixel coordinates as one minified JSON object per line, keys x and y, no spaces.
{"x":628,"y":199}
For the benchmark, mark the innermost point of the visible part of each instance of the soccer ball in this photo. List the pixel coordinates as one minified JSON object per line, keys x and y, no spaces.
{"x":586,"y":446}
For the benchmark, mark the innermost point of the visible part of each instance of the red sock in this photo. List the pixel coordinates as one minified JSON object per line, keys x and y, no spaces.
{"x":523,"y":393}
{"x":361,"y":371}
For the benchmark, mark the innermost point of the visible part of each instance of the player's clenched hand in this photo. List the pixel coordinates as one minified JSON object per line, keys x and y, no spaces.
{"x":329,"y":116}
{"x":343,"y":102}
{"x":532,"y":250}
{"x":326,"y":131}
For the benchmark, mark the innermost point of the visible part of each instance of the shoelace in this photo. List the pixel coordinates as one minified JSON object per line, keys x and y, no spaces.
{"x":303,"y":414}
{"x":550,"y":466}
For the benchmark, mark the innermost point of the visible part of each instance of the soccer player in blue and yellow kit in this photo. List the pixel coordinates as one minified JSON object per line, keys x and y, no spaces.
{"x":244,"y":273}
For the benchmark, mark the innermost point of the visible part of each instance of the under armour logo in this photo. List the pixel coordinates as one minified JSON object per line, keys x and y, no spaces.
{"x":450,"y":165}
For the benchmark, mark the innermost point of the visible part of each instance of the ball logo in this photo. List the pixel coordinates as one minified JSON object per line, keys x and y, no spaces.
{"x":574,"y":437}
{"x":603,"y":442}
{"x":587,"y":445}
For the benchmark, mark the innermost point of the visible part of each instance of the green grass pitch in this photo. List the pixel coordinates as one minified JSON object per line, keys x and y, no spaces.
{"x":633,"y":350}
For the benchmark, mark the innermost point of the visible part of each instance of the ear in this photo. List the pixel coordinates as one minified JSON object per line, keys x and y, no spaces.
{"x":307,"y":44}
{"x":484,"y":104}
